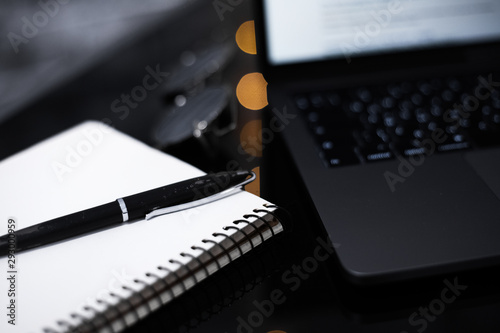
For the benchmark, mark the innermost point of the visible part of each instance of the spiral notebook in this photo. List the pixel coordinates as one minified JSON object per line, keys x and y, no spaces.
{"x":109,"y":280}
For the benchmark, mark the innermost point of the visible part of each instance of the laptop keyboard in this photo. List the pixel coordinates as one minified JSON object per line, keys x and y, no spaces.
{"x":375,"y":123}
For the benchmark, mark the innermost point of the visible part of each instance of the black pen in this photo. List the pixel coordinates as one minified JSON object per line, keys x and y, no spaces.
{"x":163,"y":200}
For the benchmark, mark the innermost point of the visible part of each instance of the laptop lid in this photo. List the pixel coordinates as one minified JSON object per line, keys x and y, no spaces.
{"x":358,"y":36}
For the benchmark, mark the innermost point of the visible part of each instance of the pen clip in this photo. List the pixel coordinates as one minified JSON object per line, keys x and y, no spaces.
{"x":202,"y":201}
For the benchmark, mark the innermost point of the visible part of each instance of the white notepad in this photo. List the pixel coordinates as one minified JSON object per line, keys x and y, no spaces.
{"x":89,"y":165}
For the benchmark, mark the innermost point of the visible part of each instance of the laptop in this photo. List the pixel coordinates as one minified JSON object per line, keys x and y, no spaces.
{"x":392,"y":116}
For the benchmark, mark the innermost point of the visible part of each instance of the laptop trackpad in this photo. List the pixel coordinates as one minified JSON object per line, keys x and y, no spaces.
{"x":487,"y":165}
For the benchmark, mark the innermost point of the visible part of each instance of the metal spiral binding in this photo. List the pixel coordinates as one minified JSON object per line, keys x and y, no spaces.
{"x":265,"y":211}
{"x":270,"y":206}
{"x":262,"y":219}
{"x":226,"y":253}
{"x":136,"y":308}
{"x":288,"y":219}
{"x":108,"y":306}
{"x":230,"y":227}
{"x":195,"y":281}
{"x":208,"y":253}
{"x":129,"y":308}
{"x":215,"y":234}
{"x":250,"y":241}
{"x":96,"y":313}
{"x":190,"y":273}
{"x":153,"y":290}
{"x":215,"y":261}
{"x":84,"y":320}
{"x":256,"y":229}
{"x":117,"y":307}
{"x":64,"y":323}
{"x":169,"y":287}
{"x":173,"y":261}
{"x":184,"y":254}
{"x":251,"y":244}
{"x":158,"y":278}
{"x":200,"y":264}
{"x":177,"y":279}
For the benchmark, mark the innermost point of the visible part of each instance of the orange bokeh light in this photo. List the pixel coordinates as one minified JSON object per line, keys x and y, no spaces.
{"x":251,"y":138}
{"x":245,"y":37}
{"x":252,"y":91}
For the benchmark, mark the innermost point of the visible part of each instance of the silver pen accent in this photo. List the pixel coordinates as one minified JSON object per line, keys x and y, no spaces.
{"x":202,"y":201}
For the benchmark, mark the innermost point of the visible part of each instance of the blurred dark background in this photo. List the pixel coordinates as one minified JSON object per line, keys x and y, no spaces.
{"x":66,"y":62}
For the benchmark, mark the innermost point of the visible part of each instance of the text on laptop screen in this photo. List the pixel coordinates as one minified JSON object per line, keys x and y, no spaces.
{"x":299,"y":30}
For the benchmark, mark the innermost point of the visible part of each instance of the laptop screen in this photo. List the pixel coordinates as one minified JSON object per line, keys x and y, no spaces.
{"x":303,"y":31}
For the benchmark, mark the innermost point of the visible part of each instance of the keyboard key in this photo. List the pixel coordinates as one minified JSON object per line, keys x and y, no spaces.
{"x":457,"y":141}
{"x":405,"y":114}
{"x":409,"y":147}
{"x":459,"y":138}
{"x":320,"y":130}
{"x":376,"y":153}
{"x":399,"y":132}
{"x":406,"y":106}
{"x":302,"y":103}
{"x":425,"y":88}
{"x":317,"y":100}
{"x":451,"y":129}
{"x":465,"y":123}
{"x":436,"y":110}
{"x":334,"y":99}
{"x":419,"y":134}
{"x":390,"y":120}
{"x":454,"y":84}
{"x":448,"y":96}
{"x":395,"y":91}
{"x":382,"y":135}
{"x":453,"y":146}
{"x":374,"y":119}
{"x":422,"y":116}
{"x":388,"y":102}
{"x":335,"y":139}
{"x":432,"y":126}
{"x":437,"y":101}
{"x":313,"y":117}
{"x":496,"y":119}
{"x":417,"y":99}
{"x":356,"y":107}
{"x":495,"y":103}
{"x":340,"y":157}
{"x":374,"y":109}
{"x":364,"y":94}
